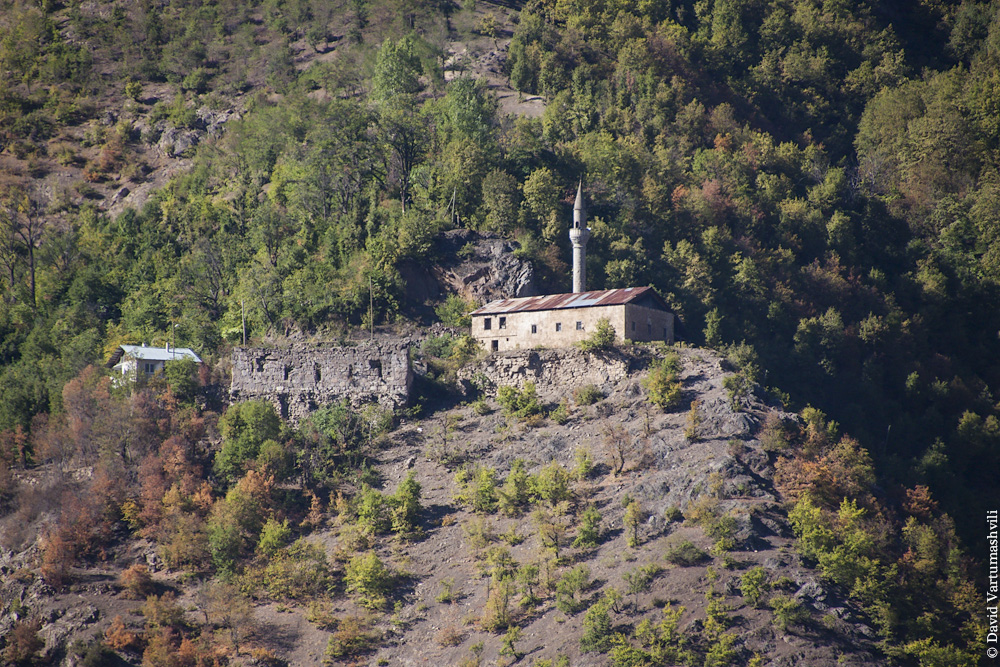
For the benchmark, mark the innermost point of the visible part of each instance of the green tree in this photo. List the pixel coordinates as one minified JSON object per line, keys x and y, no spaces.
{"x":245,"y":427}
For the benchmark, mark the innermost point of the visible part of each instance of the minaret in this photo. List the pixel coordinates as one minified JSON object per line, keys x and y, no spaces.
{"x":579,"y":235}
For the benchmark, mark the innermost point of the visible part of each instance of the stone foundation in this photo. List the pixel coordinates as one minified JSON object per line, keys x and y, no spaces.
{"x":555,"y":372}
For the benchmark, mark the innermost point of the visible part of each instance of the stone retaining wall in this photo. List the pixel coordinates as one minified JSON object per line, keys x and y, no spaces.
{"x":555,"y":372}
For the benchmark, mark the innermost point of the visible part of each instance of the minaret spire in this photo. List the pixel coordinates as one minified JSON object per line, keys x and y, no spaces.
{"x":579,"y":234}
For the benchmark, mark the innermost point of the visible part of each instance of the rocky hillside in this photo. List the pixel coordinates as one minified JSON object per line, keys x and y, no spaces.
{"x":660,"y":527}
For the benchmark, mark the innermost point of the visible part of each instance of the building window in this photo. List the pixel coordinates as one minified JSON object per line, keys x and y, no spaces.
{"x":534,"y":328}
{"x":149,"y":368}
{"x":579,"y":326}
{"x":633,"y":326}
{"x":503,"y":322}
{"x":495,"y":345}
{"x":558,"y":326}
{"x":487,"y":323}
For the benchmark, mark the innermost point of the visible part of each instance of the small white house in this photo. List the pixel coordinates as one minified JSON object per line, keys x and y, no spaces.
{"x":139,"y":361}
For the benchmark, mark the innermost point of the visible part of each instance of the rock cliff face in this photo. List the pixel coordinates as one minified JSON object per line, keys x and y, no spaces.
{"x":478,"y":266}
{"x":299,"y":378}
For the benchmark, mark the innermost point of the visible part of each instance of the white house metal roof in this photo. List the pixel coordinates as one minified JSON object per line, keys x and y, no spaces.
{"x":159,"y":353}
{"x":610,"y":297}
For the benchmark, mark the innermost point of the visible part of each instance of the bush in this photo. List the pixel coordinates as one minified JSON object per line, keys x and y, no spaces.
{"x":788,"y":612}
{"x":367,"y":577}
{"x":590,"y":529}
{"x":136,"y":582}
{"x":662,"y":386}
{"x":273,"y":537}
{"x":522,"y":403}
{"x":588,"y":394}
{"x":597,"y":627}
{"x":478,"y":489}
{"x":685,"y":554}
{"x":570,"y":587}
{"x":353,"y":636}
{"x":603,"y":338}
{"x":552,"y":484}
{"x":754,"y":585}
{"x":298,"y":572}
{"x":561,"y":413}
{"x":515,"y":495}
{"x":455,"y":311}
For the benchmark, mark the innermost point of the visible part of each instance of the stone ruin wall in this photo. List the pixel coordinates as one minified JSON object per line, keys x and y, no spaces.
{"x":555,"y":372}
{"x":300,"y":378}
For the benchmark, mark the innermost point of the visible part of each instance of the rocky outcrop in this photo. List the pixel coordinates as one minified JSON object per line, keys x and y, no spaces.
{"x":299,"y":378}
{"x":478,"y":266}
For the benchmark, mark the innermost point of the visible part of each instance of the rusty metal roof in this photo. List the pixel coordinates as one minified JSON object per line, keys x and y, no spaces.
{"x":611,"y":297}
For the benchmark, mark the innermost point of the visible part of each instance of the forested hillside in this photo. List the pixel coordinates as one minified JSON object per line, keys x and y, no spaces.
{"x":813,"y":186}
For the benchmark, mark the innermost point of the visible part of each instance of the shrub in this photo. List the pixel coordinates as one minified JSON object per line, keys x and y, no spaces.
{"x":634,"y":516}
{"x":497,"y":615}
{"x":273,"y":537}
{"x":662,"y":385}
{"x":692,"y":430}
{"x":516,"y":491}
{"x":788,"y":612}
{"x":455,"y":311}
{"x":603,"y":338}
{"x":406,"y":505}
{"x":520,"y":404}
{"x":597,"y":627}
{"x":589,"y":535}
{"x":737,"y":388}
{"x":136,"y":582}
{"x":477,"y":489}
{"x":449,"y":636}
{"x":754,"y":585}
{"x":23,"y":642}
{"x":584,"y":467}
{"x":367,"y":577}
{"x":133,"y":90}
{"x":552,"y":484}
{"x":353,"y":636}
{"x":588,"y":394}
{"x":685,"y":554}
{"x":721,"y":653}
{"x":569,"y":588}
{"x":560,"y":415}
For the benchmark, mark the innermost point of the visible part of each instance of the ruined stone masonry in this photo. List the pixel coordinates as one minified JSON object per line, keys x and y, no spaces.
{"x":556,"y":372}
{"x":300,"y":378}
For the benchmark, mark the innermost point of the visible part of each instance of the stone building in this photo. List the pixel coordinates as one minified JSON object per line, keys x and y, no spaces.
{"x":300,"y":378}
{"x":559,"y":320}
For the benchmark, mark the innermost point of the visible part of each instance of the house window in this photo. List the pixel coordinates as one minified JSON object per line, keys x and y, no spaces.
{"x":558,"y":326}
{"x":579,"y":326}
{"x":149,"y":368}
{"x":534,"y":328}
{"x":633,"y":326}
{"x":503,"y":322}
{"x":487,"y":323}
{"x":495,"y":345}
